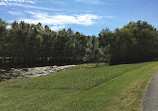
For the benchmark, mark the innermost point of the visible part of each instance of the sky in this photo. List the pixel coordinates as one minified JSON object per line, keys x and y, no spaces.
{"x":86,"y":16}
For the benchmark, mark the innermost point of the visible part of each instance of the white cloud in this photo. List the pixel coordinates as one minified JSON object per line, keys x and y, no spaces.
{"x":20,"y":1}
{"x":8,"y":27}
{"x":109,"y":17}
{"x":59,"y":21}
{"x":57,"y":27}
{"x":27,"y":6}
{"x":95,"y":2}
{"x":16,"y":13}
{"x":3,"y":3}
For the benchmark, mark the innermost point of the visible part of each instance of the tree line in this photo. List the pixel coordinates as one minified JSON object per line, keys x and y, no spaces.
{"x":24,"y":44}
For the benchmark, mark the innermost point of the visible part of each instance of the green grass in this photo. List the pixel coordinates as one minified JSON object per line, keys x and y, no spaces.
{"x":88,"y":87}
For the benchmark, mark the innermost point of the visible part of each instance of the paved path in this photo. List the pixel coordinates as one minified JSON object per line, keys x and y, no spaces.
{"x":150,"y":102}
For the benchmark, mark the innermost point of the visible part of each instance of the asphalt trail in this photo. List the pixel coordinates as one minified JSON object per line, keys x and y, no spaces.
{"x":150,"y":102}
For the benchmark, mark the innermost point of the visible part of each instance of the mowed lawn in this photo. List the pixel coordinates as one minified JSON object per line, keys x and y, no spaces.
{"x":106,"y":88}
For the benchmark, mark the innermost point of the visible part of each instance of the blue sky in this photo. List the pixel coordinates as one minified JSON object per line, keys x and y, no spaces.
{"x":86,"y":16}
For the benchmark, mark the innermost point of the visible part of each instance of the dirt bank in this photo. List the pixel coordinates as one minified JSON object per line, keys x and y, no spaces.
{"x":29,"y":72}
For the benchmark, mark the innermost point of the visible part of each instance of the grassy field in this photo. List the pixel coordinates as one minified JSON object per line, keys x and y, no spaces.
{"x":89,"y":87}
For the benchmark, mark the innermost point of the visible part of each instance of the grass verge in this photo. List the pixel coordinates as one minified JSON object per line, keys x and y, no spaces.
{"x":103,"y":88}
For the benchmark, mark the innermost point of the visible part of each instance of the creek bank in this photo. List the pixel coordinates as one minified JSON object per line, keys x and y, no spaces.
{"x":29,"y":72}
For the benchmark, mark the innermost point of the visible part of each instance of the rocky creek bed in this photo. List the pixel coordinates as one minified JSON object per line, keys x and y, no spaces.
{"x":29,"y":72}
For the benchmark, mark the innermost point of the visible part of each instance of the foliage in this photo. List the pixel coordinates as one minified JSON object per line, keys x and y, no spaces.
{"x":28,"y":44}
{"x":135,"y":42}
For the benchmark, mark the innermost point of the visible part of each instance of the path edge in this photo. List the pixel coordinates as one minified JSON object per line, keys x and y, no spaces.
{"x":145,"y":92}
